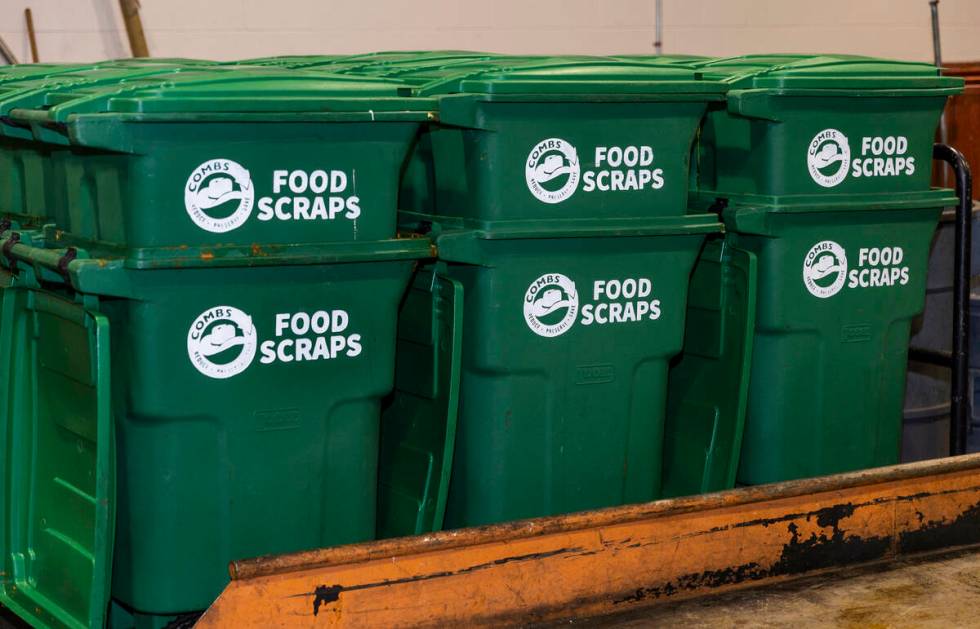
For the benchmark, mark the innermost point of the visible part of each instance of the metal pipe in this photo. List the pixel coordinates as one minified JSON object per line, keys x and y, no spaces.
{"x":962,"y":235}
{"x":134,"y":27}
{"x":658,"y":42}
{"x":31,"y":36}
{"x":937,"y":57}
{"x":7,"y":53}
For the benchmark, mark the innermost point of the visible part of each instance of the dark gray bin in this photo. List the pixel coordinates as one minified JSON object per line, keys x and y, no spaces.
{"x":926,"y":428}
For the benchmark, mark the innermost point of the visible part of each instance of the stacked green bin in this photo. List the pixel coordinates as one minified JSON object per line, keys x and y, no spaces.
{"x":18,"y":197}
{"x":25,"y":179}
{"x":555,"y":190}
{"x":216,"y":311}
{"x":820,"y":168}
{"x":26,"y":183}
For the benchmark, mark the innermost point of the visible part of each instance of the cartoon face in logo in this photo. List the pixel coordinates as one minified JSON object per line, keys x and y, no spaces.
{"x":828,"y":157}
{"x":219,"y":195}
{"x":221,"y":342}
{"x":552,"y":170}
{"x":551,"y":305}
{"x":825,"y":269}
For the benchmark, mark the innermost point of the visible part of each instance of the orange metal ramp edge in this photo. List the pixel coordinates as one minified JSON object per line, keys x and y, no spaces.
{"x":611,"y":560}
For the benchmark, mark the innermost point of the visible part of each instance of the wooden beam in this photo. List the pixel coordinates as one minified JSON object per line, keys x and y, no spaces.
{"x":31,"y":36}
{"x":134,"y":27}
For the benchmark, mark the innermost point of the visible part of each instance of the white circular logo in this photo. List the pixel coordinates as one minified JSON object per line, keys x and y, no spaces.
{"x":551,"y":305}
{"x":828,"y":157}
{"x":825,"y":269}
{"x":221,"y":342}
{"x":219,"y":195}
{"x":552,"y":170}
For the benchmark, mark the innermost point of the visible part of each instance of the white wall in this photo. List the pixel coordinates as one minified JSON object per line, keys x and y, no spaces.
{"x":78,"y":30}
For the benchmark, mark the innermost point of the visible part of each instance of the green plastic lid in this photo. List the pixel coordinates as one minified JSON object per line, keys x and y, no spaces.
{"x":419,"y":56}
{"x":386,"y":58}
{"x":445,"y":72}
{"x":239,"y":91}
{"x":177,"y":61}
{"x":690,"y":60}
{"x":33,"y":71}
{"x":583,"y":76}
{"x":36,"y":70}
{"x":400,"y":65}
{"x":821,"y":72}
{"x":33,"y":94}
{"x":285,"y":61}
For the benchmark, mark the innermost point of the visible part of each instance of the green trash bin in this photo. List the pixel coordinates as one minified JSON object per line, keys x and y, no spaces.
{"x":20,"y":198}
{"x":239,"y":387}
{"x":26,"y":184}
{"x":555,"y":190}
{"x":284,"y":197}
{"x":25,"y":165}
{"x":820,"y":168}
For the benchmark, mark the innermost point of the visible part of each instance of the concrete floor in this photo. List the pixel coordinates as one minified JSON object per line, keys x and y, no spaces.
{"x":937,"y":591}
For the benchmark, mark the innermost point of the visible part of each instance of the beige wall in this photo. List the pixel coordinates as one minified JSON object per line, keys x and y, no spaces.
{"x":227,"y":29}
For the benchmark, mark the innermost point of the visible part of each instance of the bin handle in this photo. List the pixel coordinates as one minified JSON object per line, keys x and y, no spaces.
{"x":59,"y":263}
{"x":8,"y":250}
{"x":453,"y":384}
{"x":958,"y":361}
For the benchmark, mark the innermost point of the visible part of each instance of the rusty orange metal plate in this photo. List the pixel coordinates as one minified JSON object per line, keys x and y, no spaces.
{"x":614,"y":559}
